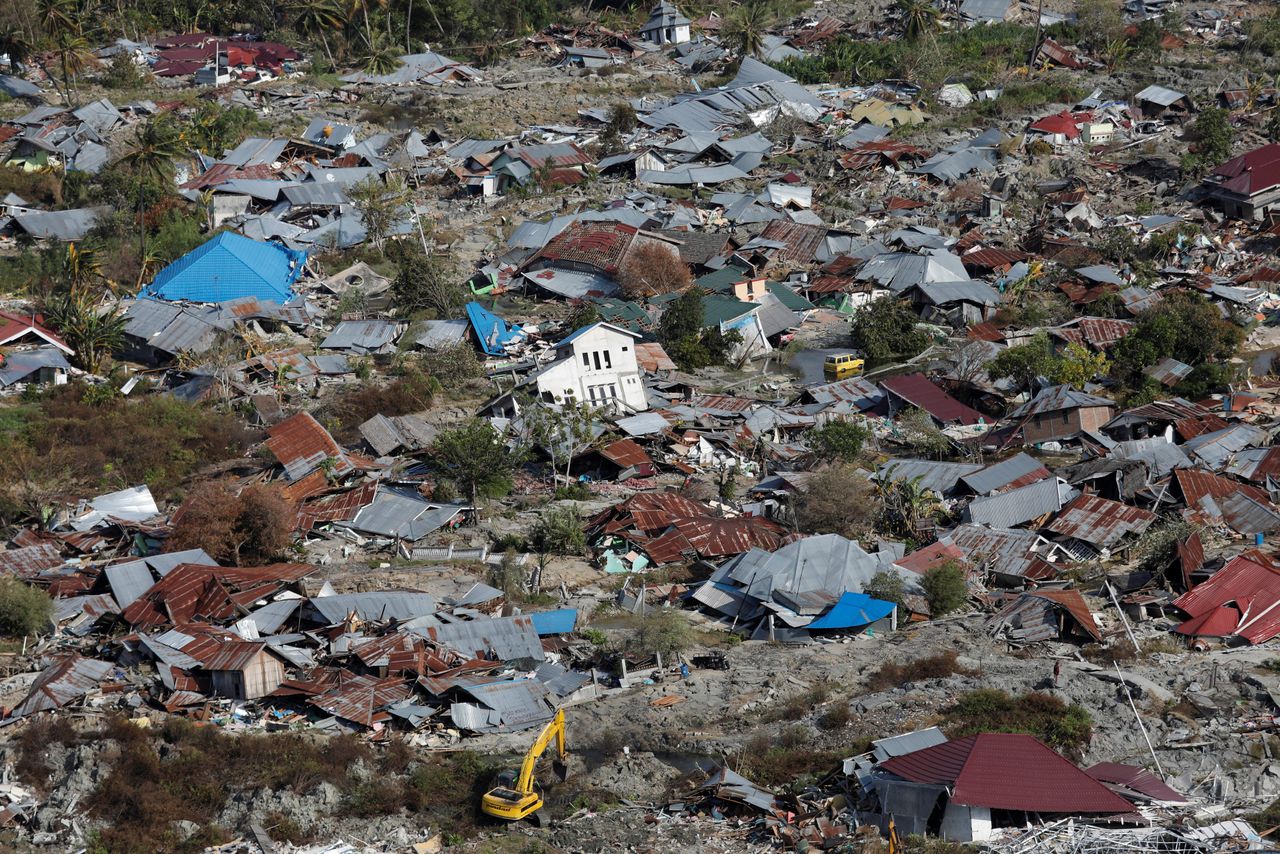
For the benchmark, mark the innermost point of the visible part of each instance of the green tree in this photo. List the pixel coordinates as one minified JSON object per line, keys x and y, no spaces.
{"x":945,"y":588}
{"x":316,"y":17}
{"x":1184,"y":326}
{"x":1024,"y":363}
{"x":665,"y":631}
{"x":916,"y":429}
{"x":1211,"y":135}
{"x":887,"y":586}
{"x":885,"y":330}
{"x":840,"y":500}
{"x":475,"y":457}
{"x":559,"y":531}
{"x":682,"y":318}
{"x":560,"y":431}
{"x":838,"y":440}
{"x":24,"y":610}
{"x":1080,"y":365}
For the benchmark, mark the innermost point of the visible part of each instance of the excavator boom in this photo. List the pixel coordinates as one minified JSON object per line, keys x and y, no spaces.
{"x":523,"y":800}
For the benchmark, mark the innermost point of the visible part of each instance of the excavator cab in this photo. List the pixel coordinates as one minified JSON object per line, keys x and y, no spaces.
{"x":514,"y":795}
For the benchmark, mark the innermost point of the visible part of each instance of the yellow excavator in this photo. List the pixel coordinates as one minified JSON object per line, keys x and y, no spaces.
{"x":514,"y":796}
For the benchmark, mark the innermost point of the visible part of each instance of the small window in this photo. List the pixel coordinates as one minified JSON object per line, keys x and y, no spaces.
{"x":1066,"y":417}
{"x":596,"y":357}
{"x":624,"y":349}
{"x":586,"y":360}
{"x":608,"y":360}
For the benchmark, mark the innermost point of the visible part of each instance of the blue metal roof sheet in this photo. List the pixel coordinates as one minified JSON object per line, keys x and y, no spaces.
{"x":853,"y":610}
{"x":230,"y":266}
{"x":557,"y":622}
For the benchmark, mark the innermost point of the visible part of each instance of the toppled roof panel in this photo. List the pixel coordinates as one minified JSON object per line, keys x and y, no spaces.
{"x":302,"y":446}
{"x":62,"y":682}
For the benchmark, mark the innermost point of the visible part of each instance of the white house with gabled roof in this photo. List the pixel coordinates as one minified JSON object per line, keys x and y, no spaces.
{"x":666,"y":26}
{"x":595,"y":366}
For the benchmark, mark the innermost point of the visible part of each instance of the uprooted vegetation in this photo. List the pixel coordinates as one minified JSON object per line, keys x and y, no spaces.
{"x":192,"y":773}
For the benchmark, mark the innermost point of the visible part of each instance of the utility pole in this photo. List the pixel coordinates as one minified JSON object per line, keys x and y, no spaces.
{"x":1035,"y":48}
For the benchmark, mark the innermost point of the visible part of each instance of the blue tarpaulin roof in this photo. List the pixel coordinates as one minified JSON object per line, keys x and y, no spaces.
{"x":230,"y":266}
{"x":492,"y":331}
{"x":853,"y":610}
{"x":555,"y":622}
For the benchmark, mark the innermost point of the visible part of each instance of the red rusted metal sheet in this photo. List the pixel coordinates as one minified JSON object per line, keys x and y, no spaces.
{"x":302,"y":446}
{"x":1100,"y":522}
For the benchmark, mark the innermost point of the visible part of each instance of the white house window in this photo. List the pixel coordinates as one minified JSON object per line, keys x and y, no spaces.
{"x":608,"y":362}
{"x":596,"y":357}
{"x":586,"y":360}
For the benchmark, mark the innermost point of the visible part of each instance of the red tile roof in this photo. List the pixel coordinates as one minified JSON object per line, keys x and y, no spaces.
{"x":919,"y":390}
{"x":1008,"y":771}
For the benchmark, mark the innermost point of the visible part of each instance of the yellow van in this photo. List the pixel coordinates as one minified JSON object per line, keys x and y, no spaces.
{"x":839,"y":366}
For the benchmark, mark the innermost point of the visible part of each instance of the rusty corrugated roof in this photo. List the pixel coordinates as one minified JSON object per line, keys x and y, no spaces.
{"x":1100,"y":522}
{"x":26,"y":562}
{"x":625,"y":453}
{"x":65,"y":680}
{"x":360,"y":699}
{"x":302,"y":446}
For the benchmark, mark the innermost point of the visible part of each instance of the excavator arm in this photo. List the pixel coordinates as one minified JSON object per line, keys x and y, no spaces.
{"x":554,"y":730}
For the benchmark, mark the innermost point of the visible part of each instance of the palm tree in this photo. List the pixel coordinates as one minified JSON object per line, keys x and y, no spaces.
{"x":316,"y":17}
{"x":381,"y":58}
{"x":13,"y":41}
{"x":80,"y":268}
{"x":159,"y":143}
{"x":93,"y":334}
{"x":76,"y":55}
{"x":57,"y":16}
{"x":747,"y":26}
{"x":919,"y":18}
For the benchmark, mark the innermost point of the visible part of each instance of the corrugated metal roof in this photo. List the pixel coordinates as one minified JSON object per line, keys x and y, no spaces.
{"x":941,"y":477}
{"x":404,"y":515}
{"x":361,"y":699}
{"x":1215,"y":449}
{"x":1057,"y":398}
{"x":1008,"y":771}
{"x":1135,"y":779}
{"x":1006,"y":551}
{"x":1100,"y":522}
{"x":1246,"y":589}
{"x":506,"y":638}
{"x":362,"y":336}
{"x":520,"y":703}
{"x":229,"y":266}
{"x":1022,"y":505}
{"x":28,"y":561}
{"x":918,"y":390}
{"x":385,"y":605}
{"x":301,"y":445}
{"x":62,"y":682}
{"x":1019,"y":470}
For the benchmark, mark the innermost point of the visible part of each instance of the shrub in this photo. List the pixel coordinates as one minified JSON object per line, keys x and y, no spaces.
{"x":654,"y":268}
{"x":841,"y":440}
{"x":1062,"y":727}
{"x":663,"y":631}
{"x":892,"y":675}
{"x":559,"y":531}
{"x":887,"y":587}
{"x":69,"y":445}
{"x":24,"y":610}
{"x":885,"y":330}
{"x":945,"y":588}
{"x":453,"y":366}
{"x":250,"y":528}
{"x":412,"y":391}
{"x":837,"y":500}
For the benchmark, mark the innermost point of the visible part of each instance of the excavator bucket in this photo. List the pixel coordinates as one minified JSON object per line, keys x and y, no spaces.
{"x":561,"y":769}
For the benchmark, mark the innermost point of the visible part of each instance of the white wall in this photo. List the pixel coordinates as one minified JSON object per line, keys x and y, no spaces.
{"x":600,"y":367}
